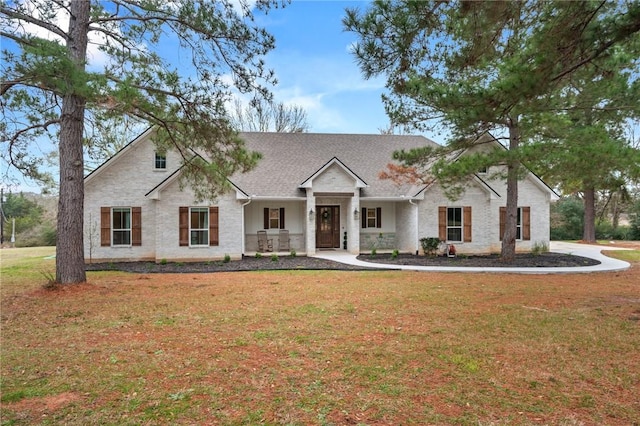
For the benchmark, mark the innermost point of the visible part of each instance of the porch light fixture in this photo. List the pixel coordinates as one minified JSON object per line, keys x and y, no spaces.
{"x":356,"y":214}
{"x":311,"y":214}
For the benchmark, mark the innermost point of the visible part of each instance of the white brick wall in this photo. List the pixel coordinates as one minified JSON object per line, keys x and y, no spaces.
{"x":125,"y":180}
{"x":333,"y":179}
{"x":167,"y":232}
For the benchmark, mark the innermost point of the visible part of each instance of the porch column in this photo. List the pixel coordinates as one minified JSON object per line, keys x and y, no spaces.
{"x":353,"y":224}
{"x":310,"y":220}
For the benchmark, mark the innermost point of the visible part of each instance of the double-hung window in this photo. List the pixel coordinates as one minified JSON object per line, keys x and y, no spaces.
{"x":160,"y":161}
{"x":523,"y":223}
{"x":454,"y":224}
{"x":199,"y":226}
{"x":274,"y":218}
{"x":121,"y":226}
{"x":371,"y":217}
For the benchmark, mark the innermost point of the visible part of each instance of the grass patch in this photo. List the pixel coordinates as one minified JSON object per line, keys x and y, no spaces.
{"x":321,"y":347}
{"x":632,"y":256}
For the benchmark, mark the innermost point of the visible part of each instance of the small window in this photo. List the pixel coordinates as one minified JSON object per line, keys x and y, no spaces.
{"x":121,"y":226}
{"x":519,"y":224}
{"x":274,"y":218}
{"x":199,"y":226}
{"x":454,"y":224}
{"x":161,"y":162}
{"x":371,"y":217}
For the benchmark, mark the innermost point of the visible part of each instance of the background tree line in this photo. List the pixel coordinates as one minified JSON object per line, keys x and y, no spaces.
{"x":34,"y":216}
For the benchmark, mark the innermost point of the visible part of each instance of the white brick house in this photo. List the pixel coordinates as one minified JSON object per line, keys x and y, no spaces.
{"x":323,"y":188}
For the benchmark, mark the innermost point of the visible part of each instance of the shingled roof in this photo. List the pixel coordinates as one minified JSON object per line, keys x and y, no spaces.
{"x":289,"y":159}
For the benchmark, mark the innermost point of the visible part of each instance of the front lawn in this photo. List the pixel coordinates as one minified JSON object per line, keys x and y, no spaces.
{"x":319,"y":347}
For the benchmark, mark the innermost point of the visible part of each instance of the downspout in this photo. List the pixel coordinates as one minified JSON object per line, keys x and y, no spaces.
{"x":416,"y":227}
{"x":242,"y":228}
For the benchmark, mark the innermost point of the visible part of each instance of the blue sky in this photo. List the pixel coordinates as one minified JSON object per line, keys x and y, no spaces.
{"x":316,"y":71}
{"x":314,"y":68}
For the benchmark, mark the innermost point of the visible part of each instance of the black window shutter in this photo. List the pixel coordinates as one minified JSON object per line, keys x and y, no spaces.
{"x":266,"y":218}
{"x":379,"y":217}
{"x":282,"y":218}
{"x":364,"y":217}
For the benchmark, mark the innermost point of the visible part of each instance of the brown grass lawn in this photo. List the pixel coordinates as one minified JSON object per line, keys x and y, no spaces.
{"x":318,"y":347}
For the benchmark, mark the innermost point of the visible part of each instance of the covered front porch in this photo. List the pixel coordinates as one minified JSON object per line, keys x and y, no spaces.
{"x":329,"y":221}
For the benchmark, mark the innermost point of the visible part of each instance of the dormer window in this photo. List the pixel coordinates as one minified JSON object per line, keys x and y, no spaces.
{"x":161,"y":162}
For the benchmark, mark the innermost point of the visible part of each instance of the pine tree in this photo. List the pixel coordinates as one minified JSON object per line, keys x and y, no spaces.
{"x":49,"y":85}
{"x":482,"y":67}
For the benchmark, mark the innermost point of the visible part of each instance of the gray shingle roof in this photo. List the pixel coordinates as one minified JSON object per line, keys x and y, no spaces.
{"x":288,"y":159}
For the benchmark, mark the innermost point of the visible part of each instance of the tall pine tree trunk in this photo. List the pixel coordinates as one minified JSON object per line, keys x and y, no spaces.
{"x":70,"y":266}
{"x":589,"y":225}
{"x":508,"y":251}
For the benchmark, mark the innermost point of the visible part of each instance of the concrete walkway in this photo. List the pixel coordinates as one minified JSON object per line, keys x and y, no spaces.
{"x":607,"y":264}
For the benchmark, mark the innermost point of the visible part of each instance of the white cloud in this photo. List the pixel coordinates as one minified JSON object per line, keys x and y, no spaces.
{"x":96,"y":59}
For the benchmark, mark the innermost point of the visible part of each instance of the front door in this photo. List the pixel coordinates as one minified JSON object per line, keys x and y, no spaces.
{"x":328,"y":227}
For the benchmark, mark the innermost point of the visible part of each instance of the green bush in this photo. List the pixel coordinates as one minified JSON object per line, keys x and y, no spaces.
{"x":606,"y":231}
{"x":567,"y":219}
{"x":430,"y":245}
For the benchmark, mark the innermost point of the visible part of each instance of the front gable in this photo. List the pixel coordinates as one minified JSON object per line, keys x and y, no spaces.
{"x":134,"y":169}
{"x":334,"y":176}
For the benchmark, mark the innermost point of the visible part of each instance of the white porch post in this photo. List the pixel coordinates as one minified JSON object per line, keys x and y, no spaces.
{"x":310,"y":220}
{"x":353,"y":220}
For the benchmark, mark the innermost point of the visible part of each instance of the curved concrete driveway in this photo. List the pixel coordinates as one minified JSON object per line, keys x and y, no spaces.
{"x":607,"y":264}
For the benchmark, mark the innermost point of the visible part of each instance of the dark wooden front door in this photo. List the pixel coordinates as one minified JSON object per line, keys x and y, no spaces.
{"x":328,"y":227}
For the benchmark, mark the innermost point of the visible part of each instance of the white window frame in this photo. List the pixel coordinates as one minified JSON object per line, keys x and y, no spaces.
{"x":274,"y":218}
{"x":453,"y":227}
{"x":122,"y":227}
{"x":372,"y":215}
{"x":204,"y":229}
{"x":162,"y":159}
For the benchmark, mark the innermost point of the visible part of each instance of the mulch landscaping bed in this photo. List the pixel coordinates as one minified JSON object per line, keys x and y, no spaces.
{"x":524,"y":260}
{"x":266,"y":263}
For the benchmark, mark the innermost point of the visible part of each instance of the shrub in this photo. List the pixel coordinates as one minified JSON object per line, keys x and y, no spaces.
{"x":606,"y":231}
{"x":226,"y":259}
{"x":258,"y":255}
{"x":292,"y":253}
{"x":539,"y":247}
{"x":567,"y":218}
{"x":430,"y":245}
{"x":274,"y":257}
{"x":394,"y":254}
